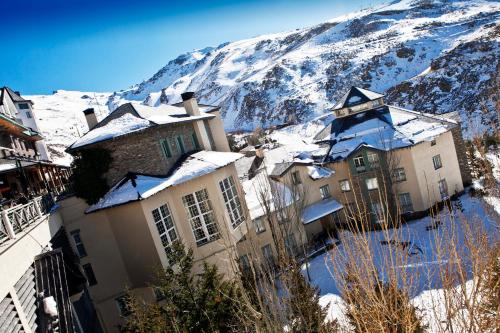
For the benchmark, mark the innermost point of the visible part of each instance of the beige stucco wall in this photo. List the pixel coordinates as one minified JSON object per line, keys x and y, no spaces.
{"x":16,"y":255}
{"x":124,"y":247}
{"x":428,"y":177}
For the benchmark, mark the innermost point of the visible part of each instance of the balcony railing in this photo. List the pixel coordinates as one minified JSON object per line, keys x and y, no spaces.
{"x":16,"y":219}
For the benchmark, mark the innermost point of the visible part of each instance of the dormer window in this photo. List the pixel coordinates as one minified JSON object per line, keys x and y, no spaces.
{"x":23,"y":106}
{"x":359,"y":163}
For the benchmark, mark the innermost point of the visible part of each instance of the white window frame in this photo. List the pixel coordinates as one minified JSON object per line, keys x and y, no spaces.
{"x":359,"y":163}
{"x":443,"y":190}
{"x":399,"y":174}
{"x":259,"y":225}
{"x":373,"y":159}
{"x":267,"y":253}
{"x":165,"y":225}
{"x":371,"y":183}
{"x":80,"y":247}
{"x":201,"y":217}
{"x":378,"y":211}
{"x":232,"y":201}
{"x":406,"y":204}
{"x":436,"y":160}
{"x":345,"y":182}
{"x":325,"y":191}
{"x":296,"y":178}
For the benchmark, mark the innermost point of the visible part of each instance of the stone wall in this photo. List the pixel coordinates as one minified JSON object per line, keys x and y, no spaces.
{"x":461,"y":155}
{"x":141,"y":152}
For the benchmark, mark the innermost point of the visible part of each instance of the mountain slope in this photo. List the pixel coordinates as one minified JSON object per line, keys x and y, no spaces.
{"x":432,"y":56}
{"x":412,"y":49}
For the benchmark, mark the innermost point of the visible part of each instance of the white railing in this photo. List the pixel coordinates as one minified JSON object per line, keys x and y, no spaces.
{"x":18,"y":218}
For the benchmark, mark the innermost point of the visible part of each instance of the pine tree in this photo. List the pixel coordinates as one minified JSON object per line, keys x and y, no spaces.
{"x":205,"y":303}
{"x":306,"y":314}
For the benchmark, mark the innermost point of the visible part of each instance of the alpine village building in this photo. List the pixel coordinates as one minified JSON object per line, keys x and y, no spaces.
{"x":41,"y":287}
{"x":173,"y":177}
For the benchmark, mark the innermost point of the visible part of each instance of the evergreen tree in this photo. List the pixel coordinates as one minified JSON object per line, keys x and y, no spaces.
{"x":306,"y":314}
{"x":205,"y":303}
{"x":88,"y":174}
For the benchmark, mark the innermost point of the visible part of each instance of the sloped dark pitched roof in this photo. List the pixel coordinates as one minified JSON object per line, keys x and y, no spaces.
{"x":356,"y":96}
{"x":13,"y":95}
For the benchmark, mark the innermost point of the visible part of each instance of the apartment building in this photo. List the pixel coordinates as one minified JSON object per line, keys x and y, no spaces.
{"x":26,"y":168}
{"x":172,"y":177}
{"x":375,"y":154}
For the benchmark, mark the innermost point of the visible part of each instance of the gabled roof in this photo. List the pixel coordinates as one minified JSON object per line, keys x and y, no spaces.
{"x":13,"y":95}
{"x":356,"y":96}
{"x":135,"y":187}
{"x":383,"y":128}
{"x":133,"y":117}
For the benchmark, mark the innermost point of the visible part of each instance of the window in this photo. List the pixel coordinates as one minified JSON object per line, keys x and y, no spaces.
{"x":372,"y":183}
{"x":359,"y":163}
{"x":433,"y":142}
{"x":378,"y":212}
{"x":123,"y":304}
{"x":296,"y":178}
{"x":267,"y":253}
{"x":405,"y":202}
{"x":399,"y":174}
{"x":344,"y":185}
{"x":89,"y":273}
{"x":290,"y":245}
{"x":281,"y":217}
{"x":325,"y":191}
{"x":373,"y":159}
{"x":194,"y":138}
{"x":259,"y":225}
{"x":244,"y":262}
{"x":233,"y":204}
{"x":23,"y":106}
{"x":443,"y":189}
{"x":437,"y":162}
{"x":28,"y":114}
{"x":78,"y":243}
{"x":179,"y":141}
{"x":165,"y":226}
{"x":201,"y":217}
{"x":165,"y":146}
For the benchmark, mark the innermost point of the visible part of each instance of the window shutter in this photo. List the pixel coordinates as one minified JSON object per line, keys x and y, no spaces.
{"x":180,"y":145}
{"x":196,"y":144}
{"x":165,"y":148}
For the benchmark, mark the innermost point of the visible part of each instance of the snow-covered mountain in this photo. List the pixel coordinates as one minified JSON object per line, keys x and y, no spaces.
{"x":431,"y":55}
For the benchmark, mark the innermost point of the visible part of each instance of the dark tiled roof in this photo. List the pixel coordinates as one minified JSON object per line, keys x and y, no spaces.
{"x":13,"y":95}
{"x":356,"y":96}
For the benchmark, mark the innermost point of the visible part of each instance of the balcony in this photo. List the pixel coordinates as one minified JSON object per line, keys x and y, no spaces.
{"x":15,"y":220}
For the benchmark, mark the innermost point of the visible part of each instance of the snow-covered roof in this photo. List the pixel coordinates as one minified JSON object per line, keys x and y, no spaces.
{"x":133,"y":117}
{"x":383,"y":128}
{"x":318,"y":172}
{"x":319,"y":209}
{"x":134,"y":187}
{"x":356,"y":96}
{"x":261,"y":191}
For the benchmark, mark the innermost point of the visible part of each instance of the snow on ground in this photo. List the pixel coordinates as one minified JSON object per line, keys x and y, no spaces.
{"x":422,"y":265}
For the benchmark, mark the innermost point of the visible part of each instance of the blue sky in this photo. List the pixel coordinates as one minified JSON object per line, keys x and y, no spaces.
{"x":109,"y":45}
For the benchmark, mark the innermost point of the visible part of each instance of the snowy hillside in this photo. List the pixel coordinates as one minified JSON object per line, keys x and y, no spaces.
{"x":434,"y":56}
{"x":61,"y":119}
{"x":431,"y":55}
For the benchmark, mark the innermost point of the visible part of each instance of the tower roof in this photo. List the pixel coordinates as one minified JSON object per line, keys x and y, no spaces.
{"x":356,"y":96}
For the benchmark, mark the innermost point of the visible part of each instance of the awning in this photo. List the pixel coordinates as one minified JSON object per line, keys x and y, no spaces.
{"x":319,"y":209}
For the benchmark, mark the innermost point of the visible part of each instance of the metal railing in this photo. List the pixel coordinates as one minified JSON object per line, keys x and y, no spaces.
{"x":16,"y":219}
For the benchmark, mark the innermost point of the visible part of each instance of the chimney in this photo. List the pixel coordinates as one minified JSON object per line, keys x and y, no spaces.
{"x":90,"y":117}
{"x":192,"y":109}
{"x":190,"y":103}
{"x":259,"y":151}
